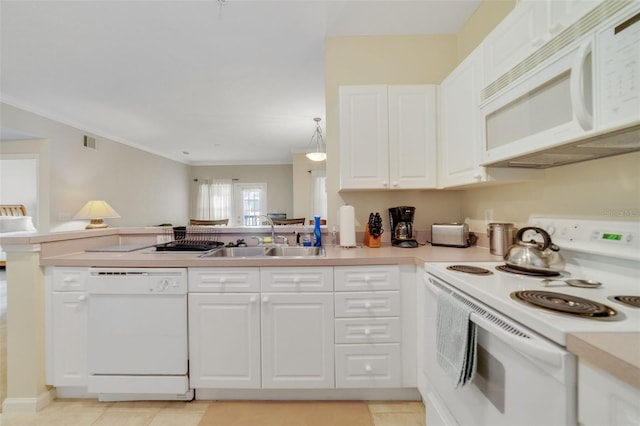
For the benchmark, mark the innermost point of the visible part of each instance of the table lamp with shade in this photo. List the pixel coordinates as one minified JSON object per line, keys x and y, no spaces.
{"x":96,"y":210}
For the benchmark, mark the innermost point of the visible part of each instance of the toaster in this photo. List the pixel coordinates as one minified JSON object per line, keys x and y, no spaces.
{"x":450,"y":235}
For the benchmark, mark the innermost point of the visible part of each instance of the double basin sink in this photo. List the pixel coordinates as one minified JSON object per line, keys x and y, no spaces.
{"x":265,"y":251}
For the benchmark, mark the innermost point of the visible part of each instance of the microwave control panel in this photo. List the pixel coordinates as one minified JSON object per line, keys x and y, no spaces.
{"x":619,"y":69}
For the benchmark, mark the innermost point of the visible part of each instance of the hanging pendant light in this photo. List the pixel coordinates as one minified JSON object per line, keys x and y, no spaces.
{"x":318,"y":141}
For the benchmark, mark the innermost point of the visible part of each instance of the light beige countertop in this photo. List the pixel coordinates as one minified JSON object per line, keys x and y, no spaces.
{"x":334,"y":256}
{"x":616,"y":353}
{"x":68,"y":249}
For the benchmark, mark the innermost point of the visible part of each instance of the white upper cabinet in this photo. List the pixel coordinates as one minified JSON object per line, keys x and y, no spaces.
{"x":516,"y":37}
{"x":412,"y":136}
{"x":460,"y":132}
{"x":563,"y":13}
{"x":530,"y":25}
{"x":388,"y":137}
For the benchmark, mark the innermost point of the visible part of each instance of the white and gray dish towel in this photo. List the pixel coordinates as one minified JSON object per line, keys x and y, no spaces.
{"x":456,"y":339}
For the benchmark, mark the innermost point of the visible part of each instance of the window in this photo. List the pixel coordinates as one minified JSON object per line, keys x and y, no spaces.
{"x":319,"y":193}
{"x":241,"y":203}
{"x":251,"y":203}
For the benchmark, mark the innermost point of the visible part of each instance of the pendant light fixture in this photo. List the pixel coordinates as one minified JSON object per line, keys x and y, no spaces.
{"x":318,"y":141}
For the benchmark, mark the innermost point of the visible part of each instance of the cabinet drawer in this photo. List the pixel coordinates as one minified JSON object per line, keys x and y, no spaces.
{"x":70,"y":279}
{"x":296,"y":279}
{"x":224,"y":280}
{"x":365,"y":366}
{"x":368,"y":304}
{"x":367,"y":278}
{"x":368,"y":330}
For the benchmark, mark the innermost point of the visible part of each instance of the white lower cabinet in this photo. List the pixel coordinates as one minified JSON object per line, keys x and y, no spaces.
{"x":368,"y":365}
{"x":604,"y":399}
{"x":297,"y":340}
{"x":66,"y":328}
{"x":224,"y":328}
{"x":224,"y":340}
{"x":273,"y":330}
{"x":368,"y":327}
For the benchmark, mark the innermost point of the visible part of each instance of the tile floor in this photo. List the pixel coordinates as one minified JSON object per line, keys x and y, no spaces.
{"x":85,"y":412}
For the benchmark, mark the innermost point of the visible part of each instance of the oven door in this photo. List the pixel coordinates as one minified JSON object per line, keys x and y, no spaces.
{"x":521,"y":378}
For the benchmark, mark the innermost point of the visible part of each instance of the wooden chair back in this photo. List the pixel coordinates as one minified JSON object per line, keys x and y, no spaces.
{"x":296,"y":221}
{"x":201,"y":222}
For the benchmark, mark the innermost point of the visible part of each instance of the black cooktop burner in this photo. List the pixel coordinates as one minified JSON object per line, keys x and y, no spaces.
{"x":633,"y":301}
{"x":468,"y":269}
{"x":566,"y":304}
{"x":521,"y":271}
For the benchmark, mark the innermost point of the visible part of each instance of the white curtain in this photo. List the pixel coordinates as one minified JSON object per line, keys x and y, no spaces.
{"x":319,"y":193}
{"x":215,"y":200}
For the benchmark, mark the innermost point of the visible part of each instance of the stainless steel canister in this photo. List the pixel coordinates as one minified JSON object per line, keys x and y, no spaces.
{"x":501,"y":237}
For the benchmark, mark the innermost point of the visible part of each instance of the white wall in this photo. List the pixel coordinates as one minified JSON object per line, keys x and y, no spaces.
{"x":278,"y":177}
{"x":143,"y":188}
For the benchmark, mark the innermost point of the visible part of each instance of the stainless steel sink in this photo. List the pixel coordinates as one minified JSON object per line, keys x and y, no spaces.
{"x":290,"y":251}
{"x":265,"y":251}
{"x":237,"y":252}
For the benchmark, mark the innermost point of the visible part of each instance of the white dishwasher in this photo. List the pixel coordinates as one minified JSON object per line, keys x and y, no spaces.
{"x":137,"y":334}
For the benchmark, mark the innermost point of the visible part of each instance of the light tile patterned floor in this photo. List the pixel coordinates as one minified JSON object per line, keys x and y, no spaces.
{"x":85,"y":412}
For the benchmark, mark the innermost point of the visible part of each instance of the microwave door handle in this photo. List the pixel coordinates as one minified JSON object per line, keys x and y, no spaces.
{"x":584,"y":117}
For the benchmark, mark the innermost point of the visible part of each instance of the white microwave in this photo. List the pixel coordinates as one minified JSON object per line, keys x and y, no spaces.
{"x":577,"y":98}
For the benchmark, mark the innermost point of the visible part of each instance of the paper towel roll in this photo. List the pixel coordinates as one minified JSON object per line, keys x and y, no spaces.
{"x":347,"y":216}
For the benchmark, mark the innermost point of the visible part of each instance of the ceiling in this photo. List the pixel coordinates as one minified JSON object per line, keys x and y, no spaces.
{"x":201,"y":82}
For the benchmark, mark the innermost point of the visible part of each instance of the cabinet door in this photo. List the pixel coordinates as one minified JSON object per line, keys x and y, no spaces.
{"x":224,"y":340}
{"x":297,"y":340}
{"x":563,"y":13}
{"x":69,"y":338}
{"x":460,"y":138}
{"x":364,"y":137}
{"x":516,"y":37}
{"x":412,"y":136}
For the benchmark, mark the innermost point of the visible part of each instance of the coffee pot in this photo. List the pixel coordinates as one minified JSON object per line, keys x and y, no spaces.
{"x":401,"y":220}
{"x":403,"y":231}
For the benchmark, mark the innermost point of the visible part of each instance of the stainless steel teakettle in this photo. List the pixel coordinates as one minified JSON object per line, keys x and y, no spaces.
{"x":534,"y":256}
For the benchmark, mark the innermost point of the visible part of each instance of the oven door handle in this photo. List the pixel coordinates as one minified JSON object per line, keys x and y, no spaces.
{"x":524,"y":345}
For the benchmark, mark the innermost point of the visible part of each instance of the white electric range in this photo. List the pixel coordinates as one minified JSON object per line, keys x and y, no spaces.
{"x":522,"y":346}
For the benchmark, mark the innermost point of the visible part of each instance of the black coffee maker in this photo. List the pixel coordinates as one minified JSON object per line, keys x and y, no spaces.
{"x":401,"y":220}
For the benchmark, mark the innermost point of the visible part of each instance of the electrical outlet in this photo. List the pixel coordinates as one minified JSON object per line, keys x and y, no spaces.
{"x":488,"y":215}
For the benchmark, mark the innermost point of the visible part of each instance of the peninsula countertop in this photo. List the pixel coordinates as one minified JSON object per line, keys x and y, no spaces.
{"x":615,"y":353}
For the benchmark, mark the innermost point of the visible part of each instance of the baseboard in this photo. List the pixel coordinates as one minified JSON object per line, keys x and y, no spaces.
{"x":398,"y":394}
{"x":28,"y":405}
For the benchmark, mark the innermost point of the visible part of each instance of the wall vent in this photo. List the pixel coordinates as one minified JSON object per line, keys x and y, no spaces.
{"x":89,"y":142}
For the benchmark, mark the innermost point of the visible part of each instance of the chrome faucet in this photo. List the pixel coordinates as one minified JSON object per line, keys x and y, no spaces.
{"x":273,"y":230}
